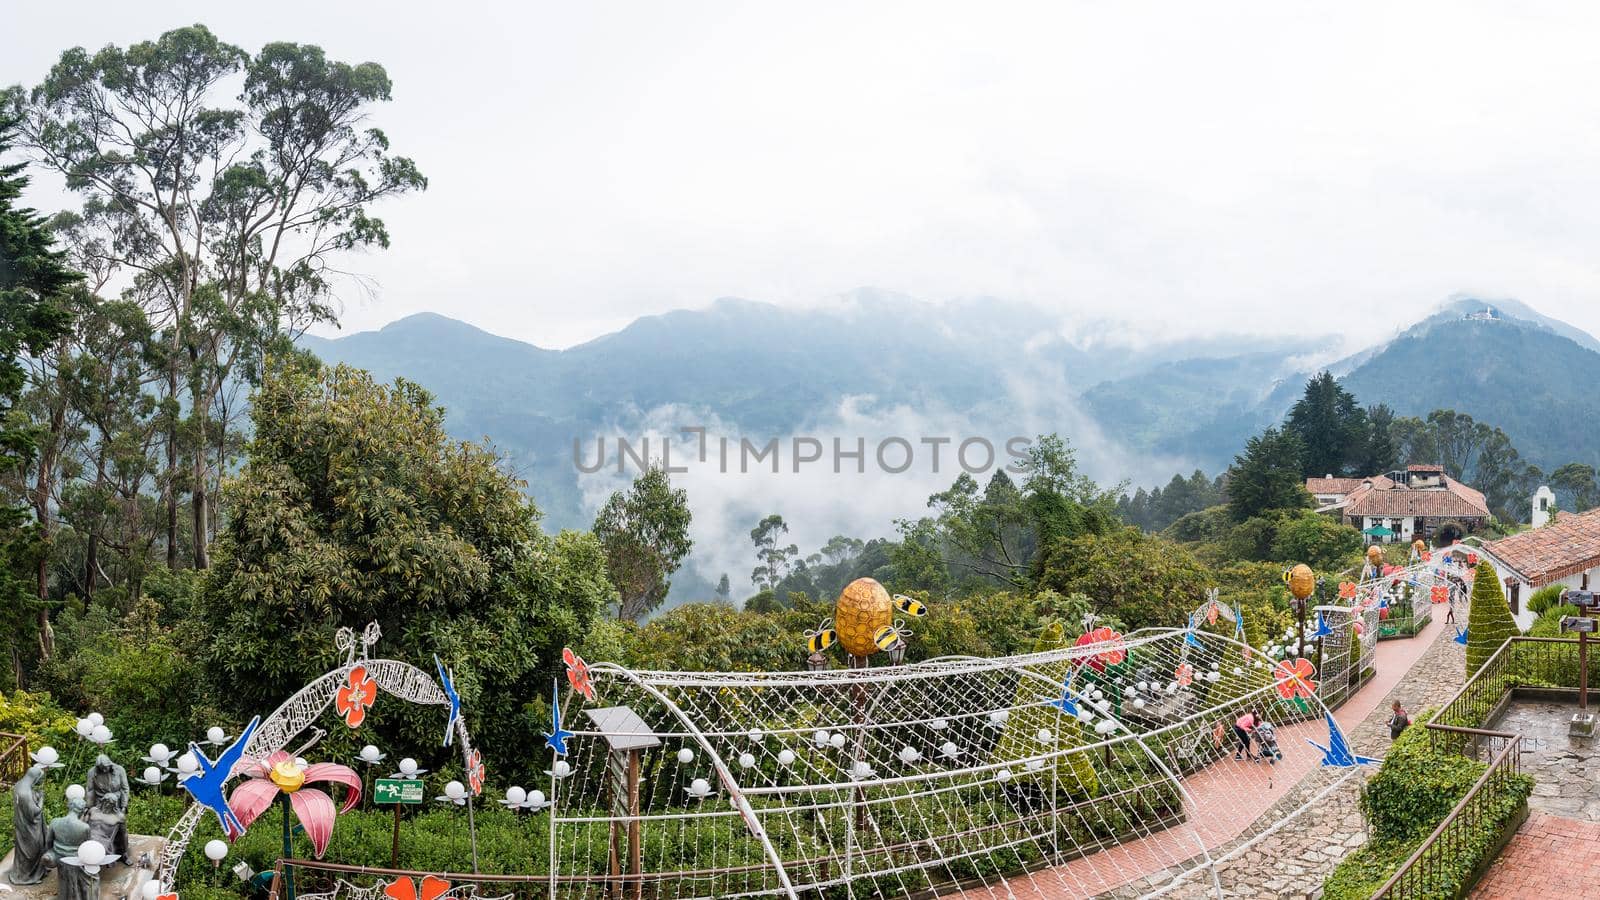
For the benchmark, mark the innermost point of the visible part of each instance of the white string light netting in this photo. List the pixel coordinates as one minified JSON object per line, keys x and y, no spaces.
{"x":1106,"y":766}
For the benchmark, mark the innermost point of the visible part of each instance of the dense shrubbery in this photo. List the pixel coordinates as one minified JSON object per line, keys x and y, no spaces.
{"x":1414,"y":789}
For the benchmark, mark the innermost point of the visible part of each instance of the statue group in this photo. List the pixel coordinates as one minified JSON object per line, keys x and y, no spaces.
{"x":101,"y":815}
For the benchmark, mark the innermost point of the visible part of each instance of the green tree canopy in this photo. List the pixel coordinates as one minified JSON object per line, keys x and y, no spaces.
{"x":1267,"y":476}
{"x":645,"y":533}
{"x":1129,"y":576}
{"x":355,"y":507}
{"x":1331,"y":427}
{"x":34,"y":280}
{"x":225,"y":185}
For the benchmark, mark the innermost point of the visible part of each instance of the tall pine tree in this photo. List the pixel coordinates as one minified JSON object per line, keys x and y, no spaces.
{"x":1332,"y":428}
{"x":1266,"y":476}
{"x":33,"y":314}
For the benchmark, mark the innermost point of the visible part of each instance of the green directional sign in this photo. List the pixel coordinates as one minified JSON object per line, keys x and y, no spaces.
{"x":397,"y":790}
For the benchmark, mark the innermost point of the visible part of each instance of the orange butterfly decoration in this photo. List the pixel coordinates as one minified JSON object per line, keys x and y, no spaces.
{"x":1294,"y":679}
{"x":356,"y":696}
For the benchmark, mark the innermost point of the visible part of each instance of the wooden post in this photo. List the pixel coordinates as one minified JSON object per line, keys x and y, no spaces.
{"x":394,"y":852}
{"x":635,"y":842}
{"x":1583,"y":672}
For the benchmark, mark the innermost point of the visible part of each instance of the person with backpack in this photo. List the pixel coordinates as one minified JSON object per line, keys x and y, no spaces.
{"x":1398,"y":720}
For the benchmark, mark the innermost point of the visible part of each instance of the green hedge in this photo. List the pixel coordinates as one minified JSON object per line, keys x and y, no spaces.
{"x":1414,"y":790}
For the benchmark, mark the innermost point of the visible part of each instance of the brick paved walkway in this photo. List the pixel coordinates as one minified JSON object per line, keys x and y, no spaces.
{"x":1550,"y":857}
{"x":1421,"y":671}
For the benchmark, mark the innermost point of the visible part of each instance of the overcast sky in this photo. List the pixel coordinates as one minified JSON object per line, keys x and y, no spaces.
{"x":1264,"y":167}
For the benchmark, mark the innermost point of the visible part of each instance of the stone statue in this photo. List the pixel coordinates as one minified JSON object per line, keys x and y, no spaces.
{"x":109,"y":827}
{"x":73,"y":883}
{"x":27,"y":822}
{"x":107,"y":780}
{"x":106,"y":793}
{"x":67,"y":832}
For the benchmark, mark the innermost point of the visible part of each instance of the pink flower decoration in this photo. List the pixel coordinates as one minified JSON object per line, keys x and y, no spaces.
{"x":313,"y":807}
{"x":1185,"y":675}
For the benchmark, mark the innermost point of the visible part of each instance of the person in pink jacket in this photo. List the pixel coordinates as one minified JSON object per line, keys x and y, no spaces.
{"x":1242,"y":729}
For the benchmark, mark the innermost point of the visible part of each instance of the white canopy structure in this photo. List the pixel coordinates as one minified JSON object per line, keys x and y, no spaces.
{"x":1102,"y":767}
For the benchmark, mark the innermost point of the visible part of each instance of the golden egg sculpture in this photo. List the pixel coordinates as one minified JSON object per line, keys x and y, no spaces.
{"x":1302,"y":581}
{"x":863,"y":608}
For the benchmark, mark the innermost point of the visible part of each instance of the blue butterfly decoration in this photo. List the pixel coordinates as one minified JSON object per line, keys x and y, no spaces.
{"x":1066,"y":703}
{"x":1322,"y":627}
{"x":1338,"y":754}
{"x":206,"y":787}
{"x":1238,"y":623}
{"x":446,"y":678}
{"x":1461,"y":637}
{"x":556,"y":740}
{"x":1188,"y":636}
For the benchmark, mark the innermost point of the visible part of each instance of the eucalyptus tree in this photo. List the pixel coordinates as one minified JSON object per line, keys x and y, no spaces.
{"x":227,"y":214}
{"x":645,"y":533}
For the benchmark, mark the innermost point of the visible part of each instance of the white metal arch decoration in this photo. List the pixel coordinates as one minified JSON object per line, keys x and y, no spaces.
{"x":394,"y":677}
{"x":841,"y":782}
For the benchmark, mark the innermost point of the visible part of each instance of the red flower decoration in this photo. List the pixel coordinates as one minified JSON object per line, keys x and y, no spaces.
{"x":1440,"y":594}
{"x":171,"y":896}
{"x":1347,"y":590}
{"x":432,"y":888}
{"x":578,"y":674}
{"x":1212,"y":612}
{"x":1185,"y":675}
{"x":1427,"y":555}
{"x":356,"y":696}
{"x":1112,"y":651}
{"x":1294,"y":680}
{"x":475,"y":772}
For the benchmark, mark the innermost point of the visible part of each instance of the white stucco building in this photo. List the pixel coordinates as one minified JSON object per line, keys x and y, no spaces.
{"x":1566,"y":551}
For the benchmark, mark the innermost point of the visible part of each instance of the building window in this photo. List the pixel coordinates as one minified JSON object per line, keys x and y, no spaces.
{"x":1515,"y":595}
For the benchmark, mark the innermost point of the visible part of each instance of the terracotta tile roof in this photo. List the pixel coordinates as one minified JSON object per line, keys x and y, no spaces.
{"x":1344,"y":485}
{"x":1331,"y":485}
{"x":1425,"y":467}
{"x":1570,"y":544}
{"x":1453,"y":501}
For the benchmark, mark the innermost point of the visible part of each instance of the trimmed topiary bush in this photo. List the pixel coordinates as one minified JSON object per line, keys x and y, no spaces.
{"x":1489,"y":624}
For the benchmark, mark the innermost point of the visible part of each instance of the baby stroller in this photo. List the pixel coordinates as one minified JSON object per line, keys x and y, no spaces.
{"x":1267,"y":743}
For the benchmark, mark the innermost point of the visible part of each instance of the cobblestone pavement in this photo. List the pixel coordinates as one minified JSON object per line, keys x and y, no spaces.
{"x":1564,"y":770}
{"x":1547,"y":858}
{"x":1294,"y":861}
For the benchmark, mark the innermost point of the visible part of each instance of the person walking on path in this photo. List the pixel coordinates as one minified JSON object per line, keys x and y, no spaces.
{"x":1398,"y":720}
{"x":1242,"y":727}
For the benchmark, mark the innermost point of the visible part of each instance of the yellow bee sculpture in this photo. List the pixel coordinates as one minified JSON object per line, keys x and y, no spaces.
{"x":910,"y":606}
{"x":891,"y":636}
{"x":822,"y":638}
